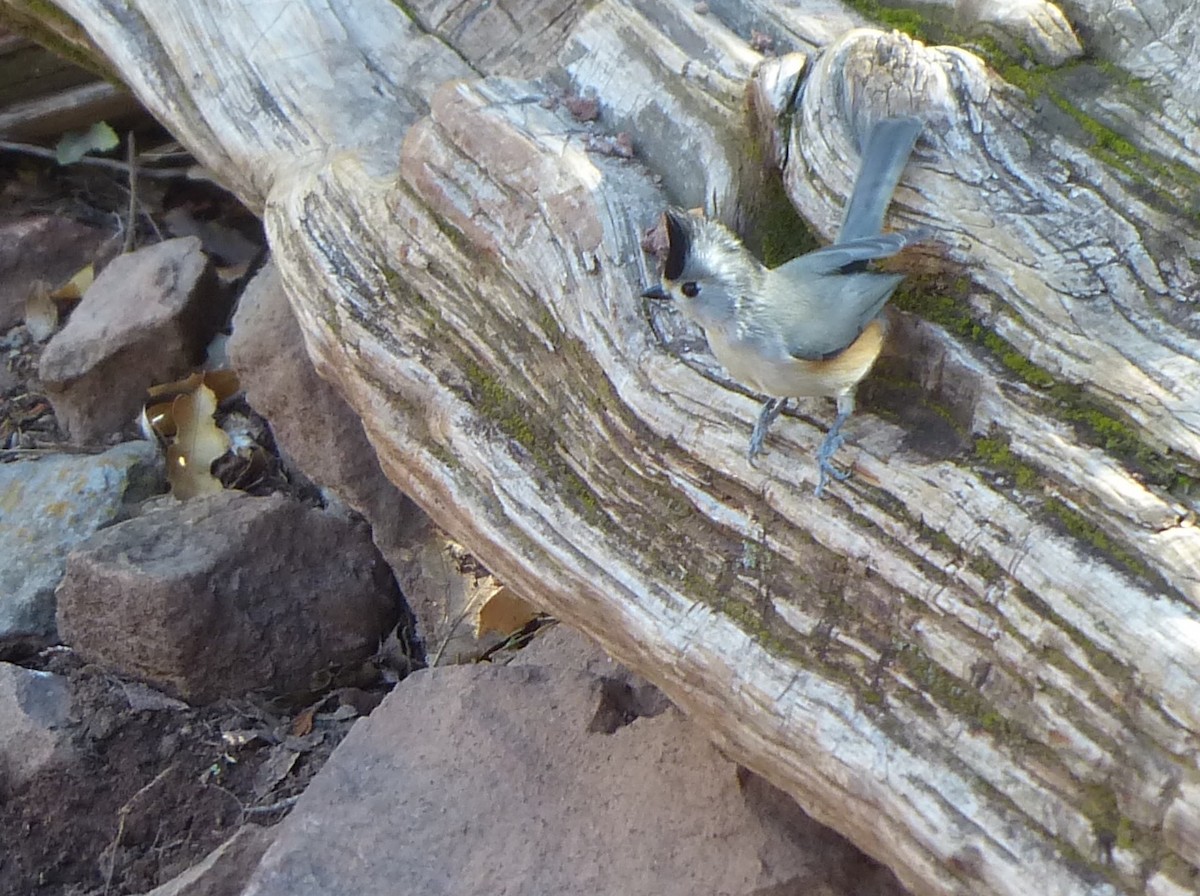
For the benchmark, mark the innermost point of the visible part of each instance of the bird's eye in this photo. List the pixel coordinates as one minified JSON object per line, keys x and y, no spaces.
{"x":691,"y":289}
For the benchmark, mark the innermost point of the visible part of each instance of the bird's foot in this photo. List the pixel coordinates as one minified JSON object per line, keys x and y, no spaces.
{"x":770,"y":410}
{"x":833,"y":441}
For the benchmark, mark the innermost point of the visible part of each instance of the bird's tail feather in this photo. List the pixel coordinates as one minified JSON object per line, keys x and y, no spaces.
{"x":889,"y":144}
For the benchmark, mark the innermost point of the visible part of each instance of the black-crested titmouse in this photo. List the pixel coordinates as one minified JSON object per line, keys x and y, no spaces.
{"x":813,"y":326}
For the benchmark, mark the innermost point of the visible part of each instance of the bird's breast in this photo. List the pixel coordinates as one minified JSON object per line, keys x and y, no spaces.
{"x":765,"y":367}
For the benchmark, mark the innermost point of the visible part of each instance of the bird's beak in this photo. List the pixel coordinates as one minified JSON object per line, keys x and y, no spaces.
{"x":655,"y":292}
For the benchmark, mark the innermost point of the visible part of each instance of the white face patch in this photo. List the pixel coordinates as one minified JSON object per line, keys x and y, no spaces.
{"x":710,"y":274}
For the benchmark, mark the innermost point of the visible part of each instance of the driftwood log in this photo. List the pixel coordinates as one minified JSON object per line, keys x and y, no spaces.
{"x":980,"y":657}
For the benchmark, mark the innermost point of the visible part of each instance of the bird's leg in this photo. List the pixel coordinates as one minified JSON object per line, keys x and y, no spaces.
{"x":770,"y":410}
{"x":833,"y":441}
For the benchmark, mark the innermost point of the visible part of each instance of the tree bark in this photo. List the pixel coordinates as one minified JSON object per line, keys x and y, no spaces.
{"x":980,"y":657}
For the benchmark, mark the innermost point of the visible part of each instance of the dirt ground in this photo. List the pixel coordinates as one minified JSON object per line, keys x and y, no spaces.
{"x":157,"y":784}
{"x":154,"y":789}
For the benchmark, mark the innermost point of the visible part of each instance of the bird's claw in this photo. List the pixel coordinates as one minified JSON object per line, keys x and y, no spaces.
{"x":826,"y":469}
{"x":766,"y":417}
{"x":833,"y":441}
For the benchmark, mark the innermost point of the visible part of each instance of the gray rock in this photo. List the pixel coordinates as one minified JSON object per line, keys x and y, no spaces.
{"x":50,"y":248}
{"x":145,"y":320}
{"x":473,"y":780}
{"x":34,"y":718}
{"x":226,"y":594}
{"x":223,"y":871}
{"x":49,"y":505}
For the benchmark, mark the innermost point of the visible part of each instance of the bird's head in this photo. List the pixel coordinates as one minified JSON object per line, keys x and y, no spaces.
{"x":707,"y":272}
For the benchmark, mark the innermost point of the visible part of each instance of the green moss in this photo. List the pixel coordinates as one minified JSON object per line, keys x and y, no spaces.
{"x":1016,"y":63}
{"x":946,"y":306}
{"x":909,"y":21}
{"x":751,"y":621}
{"x":503,"y":407}
{"x":1095,"y":423}
{"x":1107,"y":428}
{"x":1106,"y":144}
{"x":771,"y":227}
{"x":497,"y":403}
{"x":959,"y":697}
{"x":872,"y":698}
{"x":1089,"y":533}
{"x":938,"y":539}
{"x":493,"y":399}
{"x":779,"y":231}
{"x":549,"y":327}
{"x":1100,"y":806}
{"x":1101,"y":661}
{"x":996,"y":454}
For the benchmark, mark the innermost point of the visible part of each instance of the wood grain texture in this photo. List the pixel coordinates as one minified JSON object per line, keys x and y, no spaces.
{"x":979,"y":659}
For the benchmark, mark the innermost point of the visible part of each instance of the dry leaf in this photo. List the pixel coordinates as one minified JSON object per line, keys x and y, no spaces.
{"x":198,"y":442}
{"x":159,"y":419}
{"x":72,"y":291}
{"x":176,"y":387}
{"x":74,"y":145}
{"x":303,"y":723}
{"x":223,"y":383}
{"x":41,"y":313}
{"x":502,"y":612}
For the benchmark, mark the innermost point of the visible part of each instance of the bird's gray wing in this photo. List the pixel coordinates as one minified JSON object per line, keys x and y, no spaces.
{"x":821,"y":301}
{"x":819,"y":315}
{"x":839,"y":257}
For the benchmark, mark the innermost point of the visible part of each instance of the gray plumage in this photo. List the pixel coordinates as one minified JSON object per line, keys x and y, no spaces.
{"x":795,"y":330}
{"x":826,"y":297}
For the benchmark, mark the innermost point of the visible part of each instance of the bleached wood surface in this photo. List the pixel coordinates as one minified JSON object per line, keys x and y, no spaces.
{"x":929,"y":661}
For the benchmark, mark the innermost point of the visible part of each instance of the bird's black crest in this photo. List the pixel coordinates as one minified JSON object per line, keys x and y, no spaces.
{"x":678,"y":245}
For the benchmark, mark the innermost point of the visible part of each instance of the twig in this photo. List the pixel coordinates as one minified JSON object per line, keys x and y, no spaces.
{"x":437,"y":656}
{"x":285,"y":803}
{"x":247,"y":811}
{"x":122,"y":815}
{"x":44,"y":153}
{"x":131,"y":161}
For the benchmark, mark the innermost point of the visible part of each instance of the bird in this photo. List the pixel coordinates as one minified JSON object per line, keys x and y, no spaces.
{"x":813,"y":326}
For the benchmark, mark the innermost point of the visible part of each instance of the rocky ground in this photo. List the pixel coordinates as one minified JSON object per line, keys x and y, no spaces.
{"x":236,"y":660}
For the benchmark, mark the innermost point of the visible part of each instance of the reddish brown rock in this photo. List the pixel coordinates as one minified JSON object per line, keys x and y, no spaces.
{"x":147,"y":319}
{"x":49,"y":248}
{"x":267,"y":350}
{"x":474,"y":780}
{"x":222,"y":595}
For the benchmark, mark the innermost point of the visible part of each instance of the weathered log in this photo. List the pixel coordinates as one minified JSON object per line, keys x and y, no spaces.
{"x":44,"y":95}
{"x":980,"y":659}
